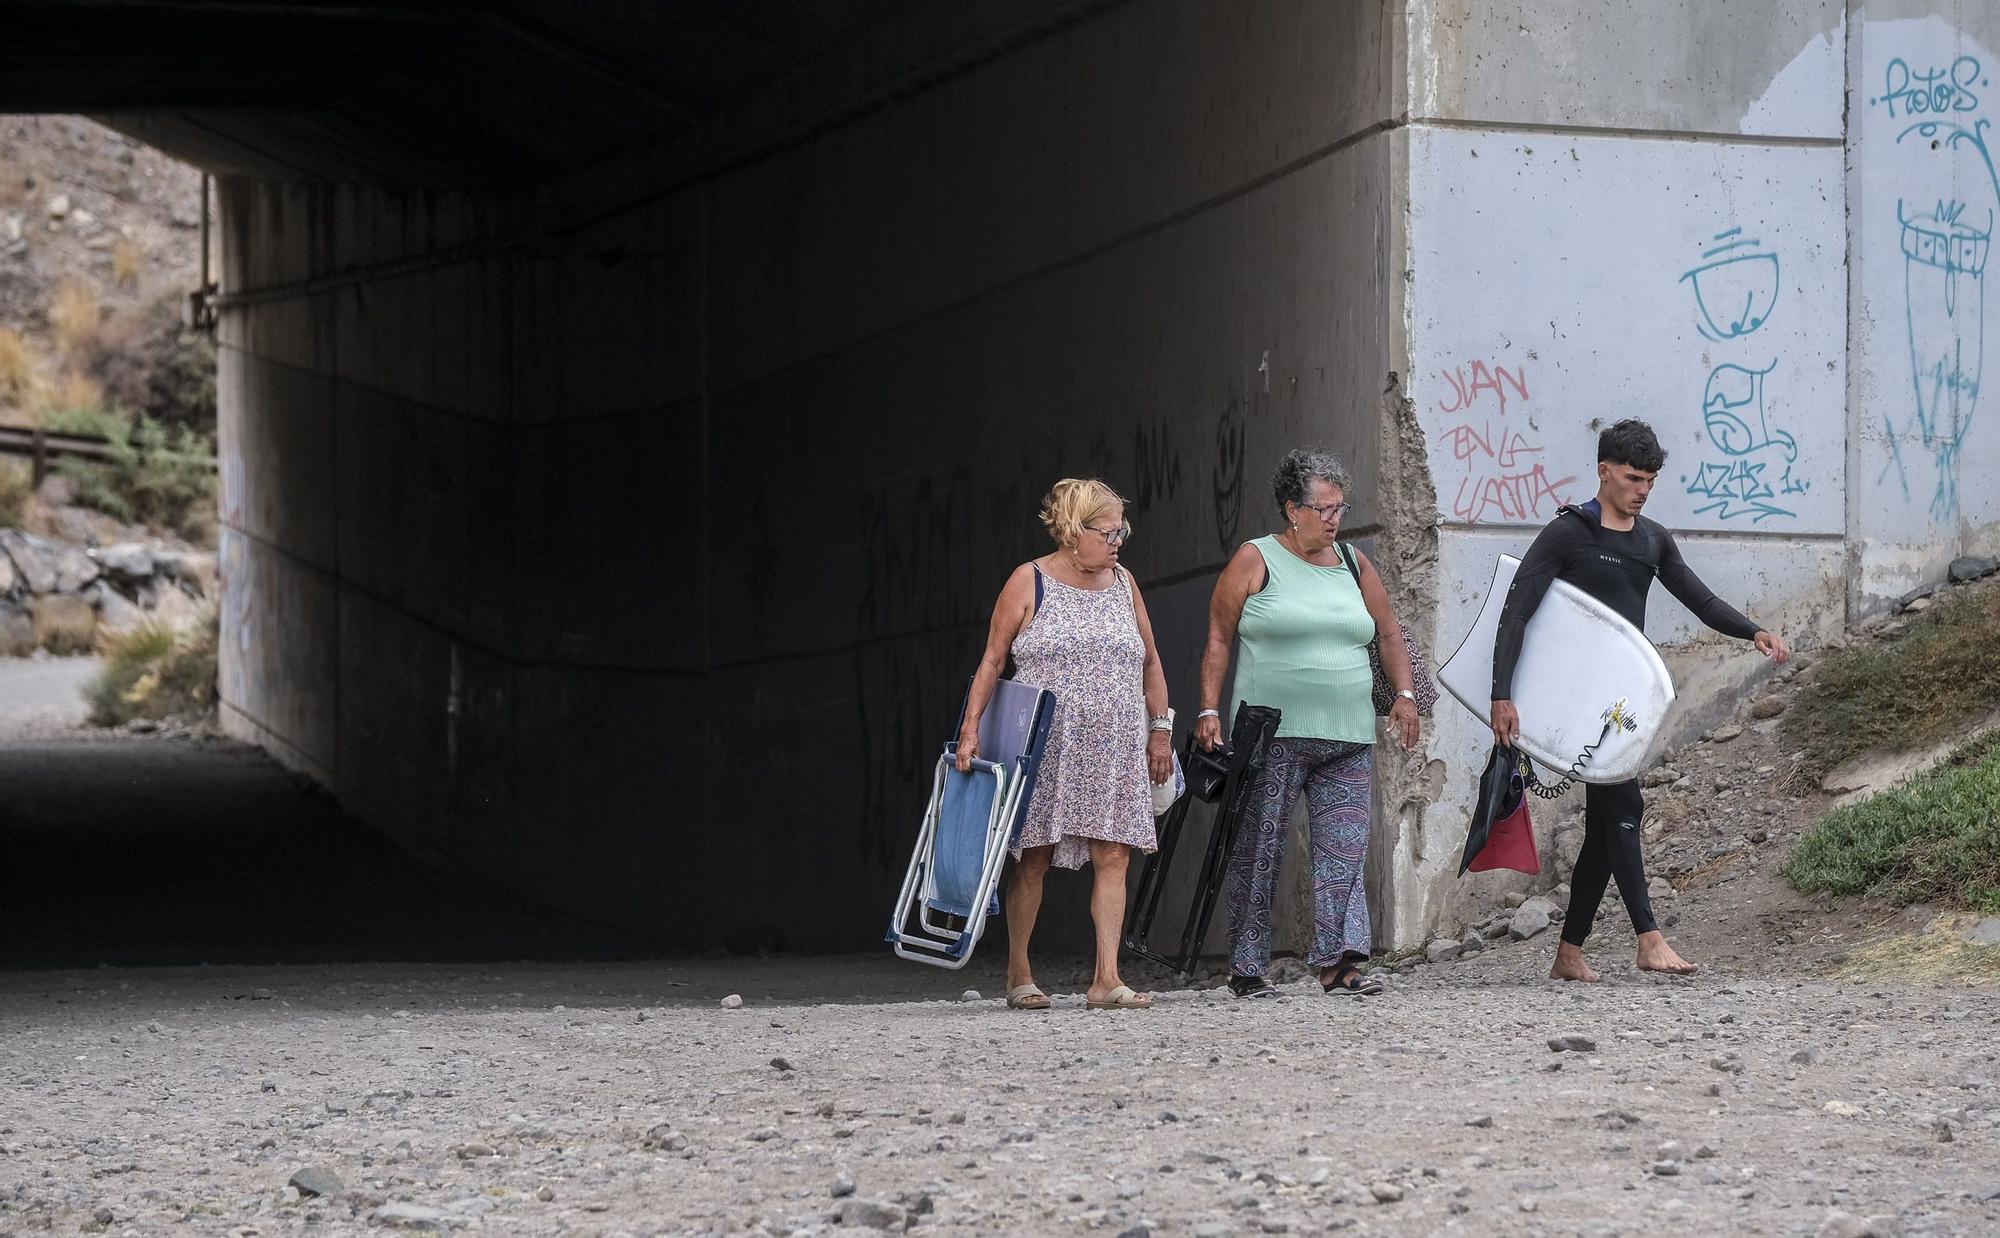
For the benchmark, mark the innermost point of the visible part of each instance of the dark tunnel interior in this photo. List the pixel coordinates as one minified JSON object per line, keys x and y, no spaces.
{"x":629,"y":410}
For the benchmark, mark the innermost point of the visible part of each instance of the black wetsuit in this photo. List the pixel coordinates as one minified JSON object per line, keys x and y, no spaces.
{"x":1616,"y":568}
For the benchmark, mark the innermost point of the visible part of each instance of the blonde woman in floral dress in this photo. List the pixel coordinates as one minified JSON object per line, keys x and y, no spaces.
{"x":1074,"y":623}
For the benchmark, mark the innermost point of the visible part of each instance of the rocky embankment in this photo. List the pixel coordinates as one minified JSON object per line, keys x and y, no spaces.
{"x":60,"y":597}
{"x":1722,"y":813}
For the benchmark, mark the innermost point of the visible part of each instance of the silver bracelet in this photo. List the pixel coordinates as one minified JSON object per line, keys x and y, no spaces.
{"x":1209,"y":713}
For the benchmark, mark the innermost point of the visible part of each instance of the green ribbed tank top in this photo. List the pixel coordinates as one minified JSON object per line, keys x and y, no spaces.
{"x":1302,"y":646}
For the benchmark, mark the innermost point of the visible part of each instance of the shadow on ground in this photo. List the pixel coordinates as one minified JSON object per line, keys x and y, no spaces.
{"x":154,"y":852}
{"x":174,"y":854}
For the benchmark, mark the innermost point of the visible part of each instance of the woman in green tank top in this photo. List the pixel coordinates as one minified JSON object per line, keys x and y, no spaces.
{"x":1301,"y":610}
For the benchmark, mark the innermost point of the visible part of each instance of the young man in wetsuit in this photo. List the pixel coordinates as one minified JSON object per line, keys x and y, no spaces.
{"x":1607,"y":549}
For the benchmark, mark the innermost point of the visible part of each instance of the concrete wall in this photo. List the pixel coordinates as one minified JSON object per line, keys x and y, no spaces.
{"x":1921,"y":205}
{"x":637,"y":560}
{"x":1690,"y":213}
{"x":1625,"y":212}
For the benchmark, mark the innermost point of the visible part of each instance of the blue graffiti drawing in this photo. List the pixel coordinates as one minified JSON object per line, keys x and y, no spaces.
{"x":1734,"y":292}
{"x":1737,"y":488}
{"x":1732,"y":411}
{"x":1944,"y":279}
{"x":1939,"y":90}
{"x":1944,"y":286}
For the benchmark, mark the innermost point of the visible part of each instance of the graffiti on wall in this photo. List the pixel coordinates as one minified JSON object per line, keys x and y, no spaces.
{"x":1157,"y":473}
{"x":1734,"y":291}
{"x":1226,"y":473}
{"x":1747,"y":467}
{"x":1944,"y":240}
{"x":1500,"y":474}
{"x":912,"y":656}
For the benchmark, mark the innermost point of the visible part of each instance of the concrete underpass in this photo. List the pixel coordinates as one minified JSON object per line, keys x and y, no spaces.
{"x":629,"y":411}
{"x":628,"y":415}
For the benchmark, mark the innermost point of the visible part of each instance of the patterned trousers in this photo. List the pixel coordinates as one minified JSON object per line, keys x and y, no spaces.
{"x":1335,"y":778}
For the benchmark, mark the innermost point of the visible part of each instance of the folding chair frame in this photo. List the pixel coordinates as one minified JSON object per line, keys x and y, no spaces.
{"x":936,"y":941}
{"x":1249,"y":746}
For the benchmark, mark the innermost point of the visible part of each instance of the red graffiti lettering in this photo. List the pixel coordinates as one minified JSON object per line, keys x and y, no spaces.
{"x":1468,"y":443}
{"x":1510,"y":496}
{"x":1466,"y":385}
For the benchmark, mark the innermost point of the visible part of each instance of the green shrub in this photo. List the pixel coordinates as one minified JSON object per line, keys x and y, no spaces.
{"x":155,"y":670}
{"x":180,"y":390}
{"x":154,"y":473}
{"x":1935,"y":838}
{"x":175,"y":474}
{"x":101,"y":420}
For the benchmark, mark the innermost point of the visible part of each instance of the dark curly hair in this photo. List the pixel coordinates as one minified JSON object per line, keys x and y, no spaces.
{"x":1631,"y":442}
{"x":1301,"y":467}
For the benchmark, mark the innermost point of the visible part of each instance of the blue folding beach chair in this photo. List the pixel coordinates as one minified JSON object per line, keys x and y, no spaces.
{"x":952,"y":884}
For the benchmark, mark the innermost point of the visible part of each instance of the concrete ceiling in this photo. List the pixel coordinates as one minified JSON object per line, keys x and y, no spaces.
{"x":461,"y":95}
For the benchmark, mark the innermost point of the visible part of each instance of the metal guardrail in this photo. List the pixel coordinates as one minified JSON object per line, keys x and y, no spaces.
{"x":42,"y":446}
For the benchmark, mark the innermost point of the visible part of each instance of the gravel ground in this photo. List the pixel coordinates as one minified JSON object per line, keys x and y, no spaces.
{"x":624,"y":1099}
{"x":43,"y":696}
{"x":340,"y":1095}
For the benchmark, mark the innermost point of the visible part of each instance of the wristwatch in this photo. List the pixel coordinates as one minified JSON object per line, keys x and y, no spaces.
{"x":1407,"y":695}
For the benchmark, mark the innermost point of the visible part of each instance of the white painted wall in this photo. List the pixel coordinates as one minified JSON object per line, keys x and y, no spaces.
{"x":1564,"y":282}
{"x":1923,"y":198}
{"x":1650,"y":243}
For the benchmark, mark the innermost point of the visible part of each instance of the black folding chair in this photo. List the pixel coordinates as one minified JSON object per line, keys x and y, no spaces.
{"x":1243,"y":759}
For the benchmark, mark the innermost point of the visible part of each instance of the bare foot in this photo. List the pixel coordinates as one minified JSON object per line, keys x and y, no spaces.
{"x":1656,"y":955}
{"x":1570,"y":965}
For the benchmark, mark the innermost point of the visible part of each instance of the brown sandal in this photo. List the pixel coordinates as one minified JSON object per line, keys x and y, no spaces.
{"x":1027,"y":997}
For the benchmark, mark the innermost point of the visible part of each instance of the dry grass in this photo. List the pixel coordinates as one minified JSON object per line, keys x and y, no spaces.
{"x":16,"y":488}
{"x":74,"y":317}
{"x":156,"y":670}
{"x":127,"y":264}
{"x":73,"y":391}
{"x":17,"y":369}
{"x":1907,"y":694}
{"x":64,"y":625}
{"x":1938,"y":955}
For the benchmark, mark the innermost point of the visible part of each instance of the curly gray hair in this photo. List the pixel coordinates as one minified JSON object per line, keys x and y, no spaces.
{"x":1300,"y":468}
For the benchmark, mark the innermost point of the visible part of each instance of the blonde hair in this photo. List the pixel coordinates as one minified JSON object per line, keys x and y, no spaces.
{"x":1074,"y":502}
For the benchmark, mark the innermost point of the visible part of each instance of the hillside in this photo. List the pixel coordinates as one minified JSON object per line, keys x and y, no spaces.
{"x":79,"y":202}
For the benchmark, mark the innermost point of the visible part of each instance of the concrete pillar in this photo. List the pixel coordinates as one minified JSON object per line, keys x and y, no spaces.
{"x":1921,"y":200}
{"x":1612,"y":214}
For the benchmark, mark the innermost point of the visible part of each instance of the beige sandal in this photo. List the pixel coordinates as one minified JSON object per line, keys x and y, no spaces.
{"x":1121,"y":998}
{"x":1027,"y":997}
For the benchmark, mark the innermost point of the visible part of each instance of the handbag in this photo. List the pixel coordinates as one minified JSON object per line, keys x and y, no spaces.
{"x":1501,"y":835}
{"x":1208,"y":771}
{"x":1382,"y":693}
{"x":1202,"y":775}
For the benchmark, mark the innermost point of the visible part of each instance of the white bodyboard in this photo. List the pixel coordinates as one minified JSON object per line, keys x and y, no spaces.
{"x":1579,"y":658}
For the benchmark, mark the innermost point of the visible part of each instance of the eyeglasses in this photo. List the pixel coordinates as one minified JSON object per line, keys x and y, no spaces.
{"x":1112,"y":537}
{"x":1326,"y":511}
